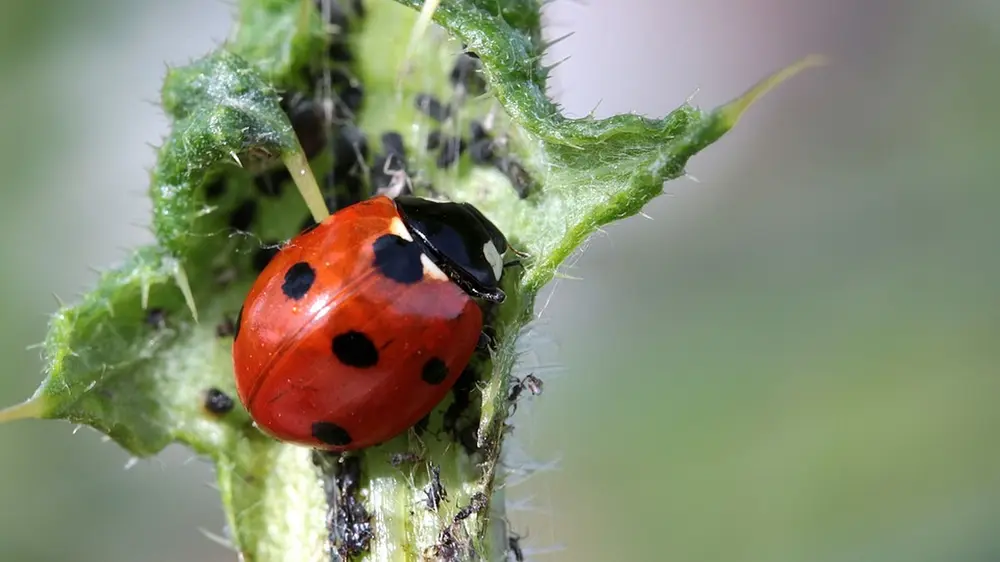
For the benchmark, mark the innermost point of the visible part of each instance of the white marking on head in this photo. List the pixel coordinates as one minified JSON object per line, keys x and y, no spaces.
{"x":431,"y":269}
{"x":397,"y":227}
{"x":493,"y":258}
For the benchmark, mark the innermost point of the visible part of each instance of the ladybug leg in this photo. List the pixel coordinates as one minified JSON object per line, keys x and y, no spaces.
{"x":489,"y":334}
{"x":486,"y":338}
{"x":512,"y":263}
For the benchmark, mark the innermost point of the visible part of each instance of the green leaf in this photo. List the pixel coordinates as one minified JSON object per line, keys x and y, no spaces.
{"x":138,"y":355}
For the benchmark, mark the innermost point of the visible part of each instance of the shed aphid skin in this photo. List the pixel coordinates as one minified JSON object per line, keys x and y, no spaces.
{"x":417,"y":275}
{"x":389,"y":173}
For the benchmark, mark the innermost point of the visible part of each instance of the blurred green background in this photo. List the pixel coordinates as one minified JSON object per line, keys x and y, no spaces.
{"x":795,"y":360}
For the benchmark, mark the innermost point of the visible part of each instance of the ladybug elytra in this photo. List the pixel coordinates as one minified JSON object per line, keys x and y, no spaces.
{"x":359,"y":326}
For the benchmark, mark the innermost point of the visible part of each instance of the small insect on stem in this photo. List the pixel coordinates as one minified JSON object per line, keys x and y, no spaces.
{"x":531,"y":383}
{"x":477,"y":503}
{"x":514,"y":547}
{"x":435,"y":491}
{"x":399,"y":459}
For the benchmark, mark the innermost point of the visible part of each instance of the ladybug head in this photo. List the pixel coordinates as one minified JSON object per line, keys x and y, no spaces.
{"x":466,"y":245}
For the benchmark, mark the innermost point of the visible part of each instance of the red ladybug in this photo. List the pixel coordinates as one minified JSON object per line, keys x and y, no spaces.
{"x":360,"y":326}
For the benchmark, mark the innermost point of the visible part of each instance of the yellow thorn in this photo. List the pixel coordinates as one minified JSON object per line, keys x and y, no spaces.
{"x":237,"y":158}
{"x":732,"y":111}
{"x":302,"y":175}
{"x":182,"y":282}
{"x":30,"y":408}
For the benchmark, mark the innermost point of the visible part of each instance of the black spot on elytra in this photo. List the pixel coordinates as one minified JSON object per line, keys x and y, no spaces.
{"x":355,"y":349}
{"x":434,"y":371}
{"x":481,"y":151}
{"x":451,"y":150}
{"x":243,"y":215}
{"x":217,"y":402}
{"x":434,"y":140}
{"x":432,"y":107}
{"x":331,"y":434}
{"x":398,"y":259}
{"x":215,"y":189}
{"x":236,"y":323}
{"x":272,"y":184}
{"x":263,"y":255}
{"x":298,"y":280}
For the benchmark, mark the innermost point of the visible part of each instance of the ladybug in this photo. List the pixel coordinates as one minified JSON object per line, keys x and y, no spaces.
{"x":358,"y":327}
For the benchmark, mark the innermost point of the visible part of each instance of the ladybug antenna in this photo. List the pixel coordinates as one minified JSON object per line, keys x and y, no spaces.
{"x":517,"y":252}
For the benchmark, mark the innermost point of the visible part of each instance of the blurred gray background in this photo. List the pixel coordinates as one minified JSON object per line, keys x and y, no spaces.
{"x":794,"y":360}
